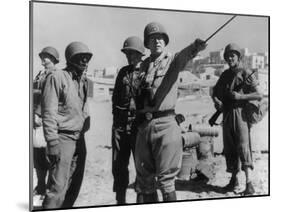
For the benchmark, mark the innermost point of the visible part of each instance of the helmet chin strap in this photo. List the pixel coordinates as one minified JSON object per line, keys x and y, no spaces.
{"x":78,"y":68}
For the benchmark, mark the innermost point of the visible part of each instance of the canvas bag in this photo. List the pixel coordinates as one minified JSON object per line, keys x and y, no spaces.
{"x":254,"y":110}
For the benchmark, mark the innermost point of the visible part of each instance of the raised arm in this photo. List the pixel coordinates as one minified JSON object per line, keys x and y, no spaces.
{"x":178,"y":63}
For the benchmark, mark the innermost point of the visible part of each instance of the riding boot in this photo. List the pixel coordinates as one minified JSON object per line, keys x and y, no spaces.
{"x":147,"y":198}
{"x":170,"y":197}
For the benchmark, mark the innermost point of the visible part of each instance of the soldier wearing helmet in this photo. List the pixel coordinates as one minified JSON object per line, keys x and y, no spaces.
{"x":65,"y":120}
{"x":49,"y":58}
{"x":234,"y":88}
{"x":124,"y":112}
{"x":159,"y":142}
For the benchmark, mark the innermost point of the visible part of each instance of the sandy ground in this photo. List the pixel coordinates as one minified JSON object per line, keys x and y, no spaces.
{"x":97,"y":184}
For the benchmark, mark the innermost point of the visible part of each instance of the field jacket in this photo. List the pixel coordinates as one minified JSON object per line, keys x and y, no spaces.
{"x":64,"y":104}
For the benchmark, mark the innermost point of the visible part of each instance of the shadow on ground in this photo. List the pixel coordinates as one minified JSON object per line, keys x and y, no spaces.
{"x":198,"y":187}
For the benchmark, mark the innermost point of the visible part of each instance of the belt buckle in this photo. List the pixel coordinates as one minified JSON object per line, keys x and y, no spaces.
{"x":148,"y":116}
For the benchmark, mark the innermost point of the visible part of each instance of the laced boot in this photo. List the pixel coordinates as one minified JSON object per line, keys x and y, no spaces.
{"x":249,"y":189}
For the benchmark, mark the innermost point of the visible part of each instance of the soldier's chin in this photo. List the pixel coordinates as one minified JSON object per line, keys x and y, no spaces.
{"x":80,"y":69}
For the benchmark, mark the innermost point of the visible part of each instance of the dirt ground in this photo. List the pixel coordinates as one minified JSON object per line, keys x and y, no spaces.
{"x":97,"y":184}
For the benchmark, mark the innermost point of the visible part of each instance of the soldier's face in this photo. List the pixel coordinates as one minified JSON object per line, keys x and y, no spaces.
{"x":81,"y":61}
{"x":232,"y":59}
{"x":133,"y":57}
{"x":47,"y":62}
{"x":156,"y":43}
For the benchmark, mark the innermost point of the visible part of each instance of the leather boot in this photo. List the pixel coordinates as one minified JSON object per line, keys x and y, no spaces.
{"x":121,"y":197}
{"x":170,"y":197}
{"x":147,"y":198}
{"x":249,"y":189}
{"x":233,"y":184}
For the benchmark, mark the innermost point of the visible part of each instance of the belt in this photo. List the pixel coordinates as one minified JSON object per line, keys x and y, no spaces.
{"x":158,"y":114}
{"x":69,"y":132}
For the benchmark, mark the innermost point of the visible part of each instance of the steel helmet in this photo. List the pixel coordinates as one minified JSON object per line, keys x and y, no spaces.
{"x":153,"y":28}
{"x":133,"y":43}
{"x":232,"y":47}
{"x":75,"y":48}
{"x":51,"y":51}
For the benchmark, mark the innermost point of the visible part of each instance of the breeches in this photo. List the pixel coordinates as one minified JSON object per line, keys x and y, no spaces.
{"x":158,"y":154}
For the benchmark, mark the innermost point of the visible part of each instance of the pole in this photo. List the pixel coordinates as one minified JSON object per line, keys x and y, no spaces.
{"x":220,"y":28}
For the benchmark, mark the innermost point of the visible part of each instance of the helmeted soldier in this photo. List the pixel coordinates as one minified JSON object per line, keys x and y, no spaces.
{"x":124,"y":113}
{"x":230,"y":98}
{"x":65,"y":120}
{"x":159,"y":141}
{"x":49,"y":58}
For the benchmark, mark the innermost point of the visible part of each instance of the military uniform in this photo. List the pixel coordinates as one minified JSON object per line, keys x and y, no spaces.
{"x":124,"y":125}
{"x":159,"y":142}
{"x":39,"y":145}
{"x":236,"y":130}
{"x":65,"y":119}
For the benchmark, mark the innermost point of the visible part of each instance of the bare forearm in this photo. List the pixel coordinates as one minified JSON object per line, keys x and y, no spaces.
{"x":251,"y":96}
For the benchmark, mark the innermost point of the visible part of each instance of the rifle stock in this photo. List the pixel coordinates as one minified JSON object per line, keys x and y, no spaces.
{"x":213,"y":119}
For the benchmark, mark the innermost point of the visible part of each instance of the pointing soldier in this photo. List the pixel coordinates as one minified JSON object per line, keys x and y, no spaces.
{"x":123,"y":109}
{"x":159,"y":143}
{"x":49,"y":58}
{"x":65,"y":120}
{"x":230,"y":98}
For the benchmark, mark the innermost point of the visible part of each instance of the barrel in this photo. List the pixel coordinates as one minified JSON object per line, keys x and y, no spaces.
{"x":190,"y":139}
{"x":204,"y":130}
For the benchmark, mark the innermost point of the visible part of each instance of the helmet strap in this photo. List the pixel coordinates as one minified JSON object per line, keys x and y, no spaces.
{"x":77,"y":68}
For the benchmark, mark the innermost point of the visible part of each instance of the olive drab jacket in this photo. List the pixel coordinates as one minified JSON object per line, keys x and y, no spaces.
{"x":38,"y":84}
{"x":161,"y":76}
{"x":64,"y":104}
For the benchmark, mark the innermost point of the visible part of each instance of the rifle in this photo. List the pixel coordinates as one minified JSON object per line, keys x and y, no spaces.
{"x":213,"y":119}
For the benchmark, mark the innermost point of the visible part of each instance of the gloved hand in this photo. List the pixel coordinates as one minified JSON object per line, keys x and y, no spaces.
{"x":200,"y":45}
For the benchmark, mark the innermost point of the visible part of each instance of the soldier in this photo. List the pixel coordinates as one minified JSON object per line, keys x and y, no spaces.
{"x":230,"y":98}
{"x":123,"y":109}
{"x":159,"y":142}
{"x":65,"y":120}
{"x":49,"y":58}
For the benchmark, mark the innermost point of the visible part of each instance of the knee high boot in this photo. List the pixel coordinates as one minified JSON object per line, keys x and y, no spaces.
{"x":147,"y":198}
{"x":170,"y":197}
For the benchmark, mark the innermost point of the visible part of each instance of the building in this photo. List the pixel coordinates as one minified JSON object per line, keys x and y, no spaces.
{"x":216,"y":57}
{"x":255,"y":61}
{"x":263,"y":80}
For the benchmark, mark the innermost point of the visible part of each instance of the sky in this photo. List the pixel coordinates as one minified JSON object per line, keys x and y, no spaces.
{"x":104,"y":30}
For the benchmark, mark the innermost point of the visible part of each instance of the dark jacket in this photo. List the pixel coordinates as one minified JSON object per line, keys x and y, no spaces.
{"x":124,"y":93}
